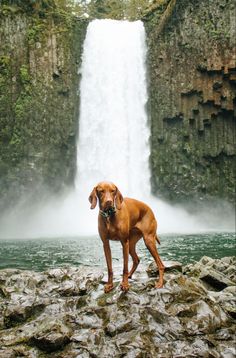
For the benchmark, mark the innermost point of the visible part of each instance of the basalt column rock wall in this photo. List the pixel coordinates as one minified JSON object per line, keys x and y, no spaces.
{"x":192,"y":81}
{"x":39,"y":60}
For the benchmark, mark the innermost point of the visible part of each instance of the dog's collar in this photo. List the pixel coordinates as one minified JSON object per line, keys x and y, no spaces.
{"x":107,"y":213}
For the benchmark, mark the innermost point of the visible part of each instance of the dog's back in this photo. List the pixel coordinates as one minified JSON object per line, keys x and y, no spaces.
{"x":140,"y":215}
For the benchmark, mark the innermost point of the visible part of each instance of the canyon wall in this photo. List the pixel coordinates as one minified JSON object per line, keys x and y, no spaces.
{"x":192,"y":81}
{"x":40,"y":56}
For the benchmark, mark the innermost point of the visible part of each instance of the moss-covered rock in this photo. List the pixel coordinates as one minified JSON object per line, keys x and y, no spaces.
{"x":39,"y":60}
{"x":191,"y":64}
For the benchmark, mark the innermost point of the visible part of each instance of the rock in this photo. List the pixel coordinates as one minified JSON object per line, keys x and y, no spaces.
{"x":227,"y":300}
{"x":184,"y":318}
{"x":215,"y":279}
{"x":39,"y":69}
{"x":170,"y":266}
{"x":186,"y":108}
{"x":18,"y":351}
{"x":51,"y":336}
{"x":21,"y":309}
{"x":7,"y":353}
{"x":217,"y":274}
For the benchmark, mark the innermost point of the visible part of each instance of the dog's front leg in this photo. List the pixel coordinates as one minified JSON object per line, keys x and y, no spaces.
{"x":125,"y":284}
{"x":109,"y":286}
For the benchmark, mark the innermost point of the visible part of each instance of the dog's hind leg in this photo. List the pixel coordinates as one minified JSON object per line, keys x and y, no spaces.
{"x":134,"y":238}
{"x":150,"y":242}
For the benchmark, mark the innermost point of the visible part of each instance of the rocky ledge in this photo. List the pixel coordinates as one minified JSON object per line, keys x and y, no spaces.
{"x":64,"y":313}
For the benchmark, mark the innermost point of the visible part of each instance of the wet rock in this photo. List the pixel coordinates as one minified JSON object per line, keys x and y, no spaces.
{"x":215,"y":279}
{"x":170,"y":266}
{"x":226,"y":299}
{"x":51,"y":336}
{"x":7,"y":353}
{"x":46,"y":314}
{"x":21,"y":309}
{"x":18,"y":351}
{"x":217,"y":274}
{"x":87,"y":321}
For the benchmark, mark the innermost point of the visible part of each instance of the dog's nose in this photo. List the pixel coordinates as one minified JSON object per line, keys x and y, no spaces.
{"x":109,"y":203}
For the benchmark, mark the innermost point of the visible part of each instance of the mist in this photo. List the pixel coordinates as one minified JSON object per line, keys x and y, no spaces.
{"x":113,"y":144}
{"x":70,"y":216}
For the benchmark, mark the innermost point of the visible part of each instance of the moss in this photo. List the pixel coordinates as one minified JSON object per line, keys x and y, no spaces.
{"x":189,"y":157}
{"x":34,"y":32}
{"x":24,"y":75}
{"x":4,"y":63}
{"x":22,"y":105}
{"x":39,"y":101}
{"x":9,"y":10}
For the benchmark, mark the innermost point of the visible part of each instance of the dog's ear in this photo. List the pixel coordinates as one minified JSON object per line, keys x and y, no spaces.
{"x":93,"y":198}
{"x":118,"y":199}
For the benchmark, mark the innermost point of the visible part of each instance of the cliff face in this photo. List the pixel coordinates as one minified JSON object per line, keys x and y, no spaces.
{"x":39,"y":59}
{"x":192,"y":80}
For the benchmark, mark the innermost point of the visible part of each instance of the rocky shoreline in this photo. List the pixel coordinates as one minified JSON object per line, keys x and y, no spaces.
{"x":63,"y":313}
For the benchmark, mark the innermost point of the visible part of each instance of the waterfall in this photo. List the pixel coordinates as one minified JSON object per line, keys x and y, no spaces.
{"x":113,"y":139}
{"x":113,"y":143}
{"x":113,"y":130}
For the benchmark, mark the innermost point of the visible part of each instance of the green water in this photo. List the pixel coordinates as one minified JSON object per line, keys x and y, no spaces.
{"x":40,"y":254}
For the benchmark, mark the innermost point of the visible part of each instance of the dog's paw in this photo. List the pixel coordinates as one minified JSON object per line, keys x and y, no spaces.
{"x":108,"y":287}
{"x":159,"y":284}
{"x":124,"y":286}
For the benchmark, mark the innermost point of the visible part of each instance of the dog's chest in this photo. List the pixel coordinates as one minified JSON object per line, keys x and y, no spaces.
{"x":112,"y":231}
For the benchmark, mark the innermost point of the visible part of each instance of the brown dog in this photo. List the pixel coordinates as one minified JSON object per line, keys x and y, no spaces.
{"x":126,"y":220}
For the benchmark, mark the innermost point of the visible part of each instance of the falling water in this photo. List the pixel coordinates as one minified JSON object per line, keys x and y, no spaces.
{"x":113,"y":142}
{"x":113,"y":130}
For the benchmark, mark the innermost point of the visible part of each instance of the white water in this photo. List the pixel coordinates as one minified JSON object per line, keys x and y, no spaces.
{"x":113,"y":141}
{"x":113,"y":132}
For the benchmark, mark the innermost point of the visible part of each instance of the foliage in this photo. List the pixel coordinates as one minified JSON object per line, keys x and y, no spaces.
{"x":29,"y":5}
{"x":24,"y":75}
{"x":118,"y":9}
{"x":112,"y":9}
{"x":34,"y":32}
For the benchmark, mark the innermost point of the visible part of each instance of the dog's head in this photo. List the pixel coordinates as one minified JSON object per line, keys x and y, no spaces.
{"x":108,"y":196}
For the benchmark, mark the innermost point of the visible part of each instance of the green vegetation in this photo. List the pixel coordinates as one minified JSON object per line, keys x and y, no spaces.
{"x":33,"y":33}
{"x":41,"y":45}
{"x":94,"y":9}
{"x":120,"y":9}
{"x":29,"y":5}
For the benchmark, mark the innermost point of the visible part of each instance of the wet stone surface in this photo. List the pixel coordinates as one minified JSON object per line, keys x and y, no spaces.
{"x":63,"y":313}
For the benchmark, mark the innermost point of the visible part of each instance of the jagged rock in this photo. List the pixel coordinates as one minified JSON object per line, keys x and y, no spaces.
{"x":18,"y":351}
{"x":21,"y":309}
{"x":51,"y":336}
{"x":218,"y":274}
{"x":152,"y":269}
{"x":7,"y":353}
{"x":184,"y":318}
{"x":227,"y":300}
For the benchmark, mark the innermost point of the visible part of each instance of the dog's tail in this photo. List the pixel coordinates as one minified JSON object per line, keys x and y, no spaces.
{"x":158,"y":240}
